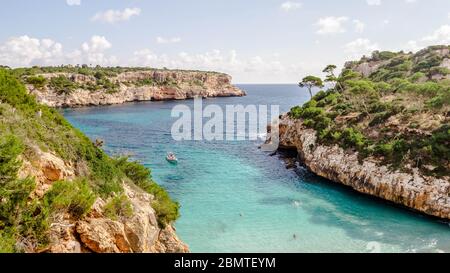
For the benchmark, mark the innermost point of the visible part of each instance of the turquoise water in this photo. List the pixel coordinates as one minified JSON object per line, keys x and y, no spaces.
{"x":236,"y":198}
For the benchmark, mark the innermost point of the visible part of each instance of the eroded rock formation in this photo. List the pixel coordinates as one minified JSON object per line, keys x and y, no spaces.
{"x":145,"y":85}
{"x":138,"y":233}
{"x":430,"y":195}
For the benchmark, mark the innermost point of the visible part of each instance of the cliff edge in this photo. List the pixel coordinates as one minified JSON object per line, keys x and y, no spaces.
{"x":383,"y":129}
{"x":72,"y":87}
{"x":59,"y":192}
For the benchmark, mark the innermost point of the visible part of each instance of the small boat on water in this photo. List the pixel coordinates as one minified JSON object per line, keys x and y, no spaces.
{"x":172,"y":158}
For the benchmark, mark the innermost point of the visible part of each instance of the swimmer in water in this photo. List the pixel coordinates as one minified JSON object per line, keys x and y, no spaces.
{"x":294,"y":236}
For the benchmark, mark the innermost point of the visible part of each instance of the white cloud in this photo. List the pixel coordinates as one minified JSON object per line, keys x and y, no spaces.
{"x":93,"y":52}
{"x":173,"y":40}
{"x":360,"y":47}
{"x":412,"y":46}
{"x":410,"y":1}
{"x":439,"y":36}
{"x":73,"y":2}
{"x":96,"y":44}
{"x":27,"y":51}
{"x":373,"y":2}
{"x":113,"y":16}
{"x":331,"y":25}
{"x":256,"y":68}
{"x":289,"y":5}
{"x":359,"y":26}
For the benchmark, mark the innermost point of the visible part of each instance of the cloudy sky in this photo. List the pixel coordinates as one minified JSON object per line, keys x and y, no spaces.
{"x":256,"y":41}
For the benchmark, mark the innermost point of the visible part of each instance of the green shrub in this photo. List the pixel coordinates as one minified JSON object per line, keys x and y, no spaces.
{"x":108,"y":85}
{"x":352,"y":138}
{"x":428,"y":63}
{"x":84,"y":71}
{"x":384,"y":149}
{"x":100,"y":75}
{"x":328,"y":99}
{"x":296,"y":112}
{"x":347,"y":75}
{"x":14,"y":195}
{"x":440,"y":100}
{"x":119,"y":207}
{"x":440,"y":143}
{"x":380,"y":118}
{"x":361,"y":87}
{"x":439,"y":70}
{"x":15,"y":94}
{"x":35,"y":223}
{"x":7,"y":241}
{"x":320,"y":95}
{"x":312,"y":112}
{"x":383,"y":55}
{"x":138,"y":173}
{"x":166,"y":209}
{"x":10,"y":149}
{"x":62,"y":85}
{"x":417,"y":76}
{"x":383,"y":87}
{"x":38,"y":82}
{"x":74,"y":197}
{"x":145,"y":82}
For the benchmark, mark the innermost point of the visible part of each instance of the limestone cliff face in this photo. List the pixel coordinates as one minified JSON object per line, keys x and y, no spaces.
{"x":144,"y":85}
{"x":138,"y":233}
{"x":426,"y":194}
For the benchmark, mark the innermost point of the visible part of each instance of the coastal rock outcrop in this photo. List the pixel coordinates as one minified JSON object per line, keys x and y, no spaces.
{"x":138,"y":233}
{"x":142,"y":85}
{"x":430,"y":195}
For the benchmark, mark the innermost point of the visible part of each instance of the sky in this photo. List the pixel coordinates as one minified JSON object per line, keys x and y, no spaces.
{"x":255,"y":41}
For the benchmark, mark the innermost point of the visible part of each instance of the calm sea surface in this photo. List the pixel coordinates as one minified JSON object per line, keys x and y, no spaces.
{"x":236,"y":198}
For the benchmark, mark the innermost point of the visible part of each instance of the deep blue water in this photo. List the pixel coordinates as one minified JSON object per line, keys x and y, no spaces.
{"x":236,"y":198}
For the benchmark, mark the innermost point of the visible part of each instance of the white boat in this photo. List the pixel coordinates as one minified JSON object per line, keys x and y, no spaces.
{"x":171,"y":158}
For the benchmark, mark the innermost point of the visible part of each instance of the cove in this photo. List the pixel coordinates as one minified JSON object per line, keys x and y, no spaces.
{"x":236,"y":198}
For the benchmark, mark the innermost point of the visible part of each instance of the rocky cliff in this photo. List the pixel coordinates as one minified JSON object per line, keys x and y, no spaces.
{"x":129,"y":86}
{"x":427,"y":194}
{"x":383,"y":129}
{"x":60,"y":192}
{"x":137,"y":232}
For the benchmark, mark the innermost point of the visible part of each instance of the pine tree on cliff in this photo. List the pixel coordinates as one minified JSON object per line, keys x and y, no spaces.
{"x":310,"y":82}
{"x":331,"y":77}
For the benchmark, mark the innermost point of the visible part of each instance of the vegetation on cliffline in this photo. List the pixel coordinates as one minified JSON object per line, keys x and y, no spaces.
{"x":27,"y":127}
{"x":99,"y":78}
{"x":394,"y":107}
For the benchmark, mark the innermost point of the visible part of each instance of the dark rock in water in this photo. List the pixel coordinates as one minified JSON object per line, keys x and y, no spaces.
{"x":291,"y":163}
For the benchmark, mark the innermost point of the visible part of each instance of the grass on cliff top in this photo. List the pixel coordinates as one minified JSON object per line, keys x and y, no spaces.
{"x":102,"y":78}
{"x":390,"y":115}
{"x":91,"y":71}
{"x":25,"y":128}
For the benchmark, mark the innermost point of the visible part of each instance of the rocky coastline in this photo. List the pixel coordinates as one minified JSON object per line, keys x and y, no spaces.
{"x":412,"y":189}
{"x":134,"y":86}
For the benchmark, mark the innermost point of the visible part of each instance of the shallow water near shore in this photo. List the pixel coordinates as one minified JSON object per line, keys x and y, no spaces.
{"x":236,"y":198}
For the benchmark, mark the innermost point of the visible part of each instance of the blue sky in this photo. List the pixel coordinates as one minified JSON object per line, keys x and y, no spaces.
{"x":256,"y":41}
